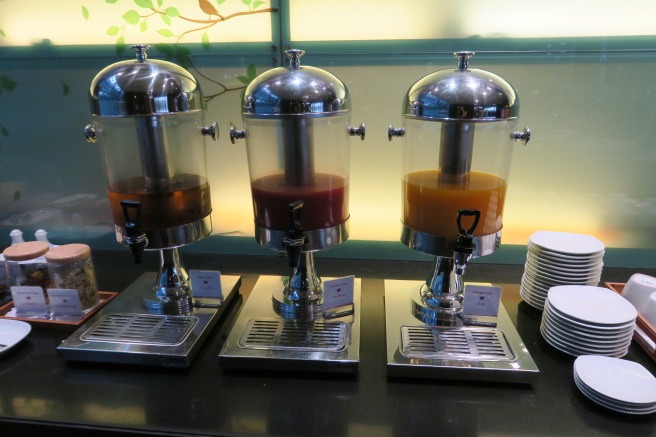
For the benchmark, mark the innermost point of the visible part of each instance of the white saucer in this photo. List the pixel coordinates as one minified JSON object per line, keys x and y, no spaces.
{"x":610,"y":404}
{"x":577,"y":351}
{"x":592,"y":305}
{"x":11,"y":333}
{"x":620,"y":380}
{"x":567,"y":243}
{"x":566,"y":320}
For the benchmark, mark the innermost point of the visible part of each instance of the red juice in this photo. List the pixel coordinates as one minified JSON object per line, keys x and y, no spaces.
{"x":325,"y":203}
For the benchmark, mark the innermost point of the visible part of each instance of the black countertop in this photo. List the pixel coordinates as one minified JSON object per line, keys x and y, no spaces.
{"x":41,"y":393}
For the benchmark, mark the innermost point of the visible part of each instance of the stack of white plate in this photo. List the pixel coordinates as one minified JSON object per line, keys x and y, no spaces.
{"x":619,"y":385}
{"x":559,"y":258}
{"x":585,"y":320}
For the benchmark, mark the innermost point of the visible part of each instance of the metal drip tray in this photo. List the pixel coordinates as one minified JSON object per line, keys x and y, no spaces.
{"x":141,"y":329}
{"x":417,"y":350}
{"x":261,"y":339}
{"x":283,"y":334}
{"x":124,"y":332}
{"x":475,"y":344}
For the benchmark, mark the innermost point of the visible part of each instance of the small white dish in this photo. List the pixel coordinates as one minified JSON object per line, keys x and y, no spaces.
{"x":567,"y":243}
{"x":595,"y":305}
{"x":618,"y":406}
{"x":11,"y":333}
{"x":621,"y":380}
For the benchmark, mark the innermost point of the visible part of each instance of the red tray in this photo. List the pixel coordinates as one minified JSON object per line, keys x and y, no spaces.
{"x":103,"y":298}
{"x":641,"y":322}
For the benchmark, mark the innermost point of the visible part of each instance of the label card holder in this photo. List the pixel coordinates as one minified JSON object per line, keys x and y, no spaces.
{"x":29,"y":300}
{"x":206,"y":284}
{"x":338,"y":297}
{"x":65,"y":302}
{"x":481,"y":305}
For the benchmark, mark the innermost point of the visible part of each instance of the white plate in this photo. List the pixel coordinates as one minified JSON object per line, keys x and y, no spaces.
{"x":586,"y":337}
{"x":552,"y":261}
{"x":613,"y":345}
{"x":12,"y":332}
{"x":582,"y":347}
{"x":575,"y":351}
{"x":565,"y":257}
{"x":565,"y":320}
{"x":622,"y":404}
{"x":564,"y":269}
{"x":561,"y":278}
{"x":623,"y":380}
{"x":612,"y":405}
{"x":536,"y":303}
{"x":567,"y":243}
{"x":561,"y":263}
{"x":596,"y":305}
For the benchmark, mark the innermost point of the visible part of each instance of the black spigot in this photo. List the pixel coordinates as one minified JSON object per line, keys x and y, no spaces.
{"x":294,"y":238}
{"x":464,"y":241}
{"x":135,"y":237}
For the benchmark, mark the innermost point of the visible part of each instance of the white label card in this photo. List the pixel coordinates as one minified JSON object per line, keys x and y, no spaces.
{"x":64,"y":302}
{"x":29,"y":299}
{"x":482,"y":300}
{"x":338,"y":292}
{"x":206,"y":283}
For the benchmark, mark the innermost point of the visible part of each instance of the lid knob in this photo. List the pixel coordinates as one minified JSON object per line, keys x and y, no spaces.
{"x":294,"y":56}
{"x":141,"y":51}
{"x":463,"y":60}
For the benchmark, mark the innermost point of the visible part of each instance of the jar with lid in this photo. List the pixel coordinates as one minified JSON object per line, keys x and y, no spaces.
{"x":71,"y":267}
{"x":26,"y":265}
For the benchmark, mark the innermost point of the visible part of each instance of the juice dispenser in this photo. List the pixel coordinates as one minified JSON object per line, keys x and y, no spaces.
{"x":459,"y":135}
{"x":296,"y":127}
{"x":148,"y":120}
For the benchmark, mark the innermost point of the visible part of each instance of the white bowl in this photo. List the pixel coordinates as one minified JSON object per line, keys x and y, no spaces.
{"x":638,"y":289}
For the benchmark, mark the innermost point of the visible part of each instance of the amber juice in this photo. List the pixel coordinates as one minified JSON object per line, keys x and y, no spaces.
{"x":185,"y":201}
{"x":431,"y":205}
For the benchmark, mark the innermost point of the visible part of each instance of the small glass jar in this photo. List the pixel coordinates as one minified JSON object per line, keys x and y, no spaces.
{"x":71,"y":267}
{"x":26,"y":265}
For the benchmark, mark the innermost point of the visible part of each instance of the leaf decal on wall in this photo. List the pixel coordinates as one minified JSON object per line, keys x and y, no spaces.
{"x":65,"y":88}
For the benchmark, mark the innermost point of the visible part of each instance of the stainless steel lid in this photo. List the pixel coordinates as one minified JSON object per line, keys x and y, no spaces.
{"x":462,"y":94}
{"x":144,"y":87}
{"x":296,"y":91}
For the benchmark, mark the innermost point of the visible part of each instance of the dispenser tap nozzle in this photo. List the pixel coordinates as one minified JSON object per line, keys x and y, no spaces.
{"x":294,"y":238}
{"x":465,"y":240}
{"x":135,"y":237}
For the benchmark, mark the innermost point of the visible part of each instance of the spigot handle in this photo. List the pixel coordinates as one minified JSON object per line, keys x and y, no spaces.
{"x":135,"y":237}
{"x":294,"y":239}
{"x":465,"y":238}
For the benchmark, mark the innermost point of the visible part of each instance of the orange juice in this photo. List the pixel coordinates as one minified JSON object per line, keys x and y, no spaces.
{"x":431,"y":205}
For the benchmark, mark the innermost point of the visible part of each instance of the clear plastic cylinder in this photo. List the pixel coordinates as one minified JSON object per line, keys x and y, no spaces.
{"x":26,"y":265}
{"x":159,"y":161}
{"x":71,"y":267}
{"x":453,"y":165}
{"x":299,"y":158}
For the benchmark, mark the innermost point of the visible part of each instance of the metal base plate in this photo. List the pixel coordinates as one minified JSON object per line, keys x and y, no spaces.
{"x":123,"y":332}
{"x":320,"y":345}
{"x":471,"y":353}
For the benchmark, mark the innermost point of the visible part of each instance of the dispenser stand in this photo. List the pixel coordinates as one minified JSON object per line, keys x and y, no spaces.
{"x":302,"y":296}
{"x":171,"y":293}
